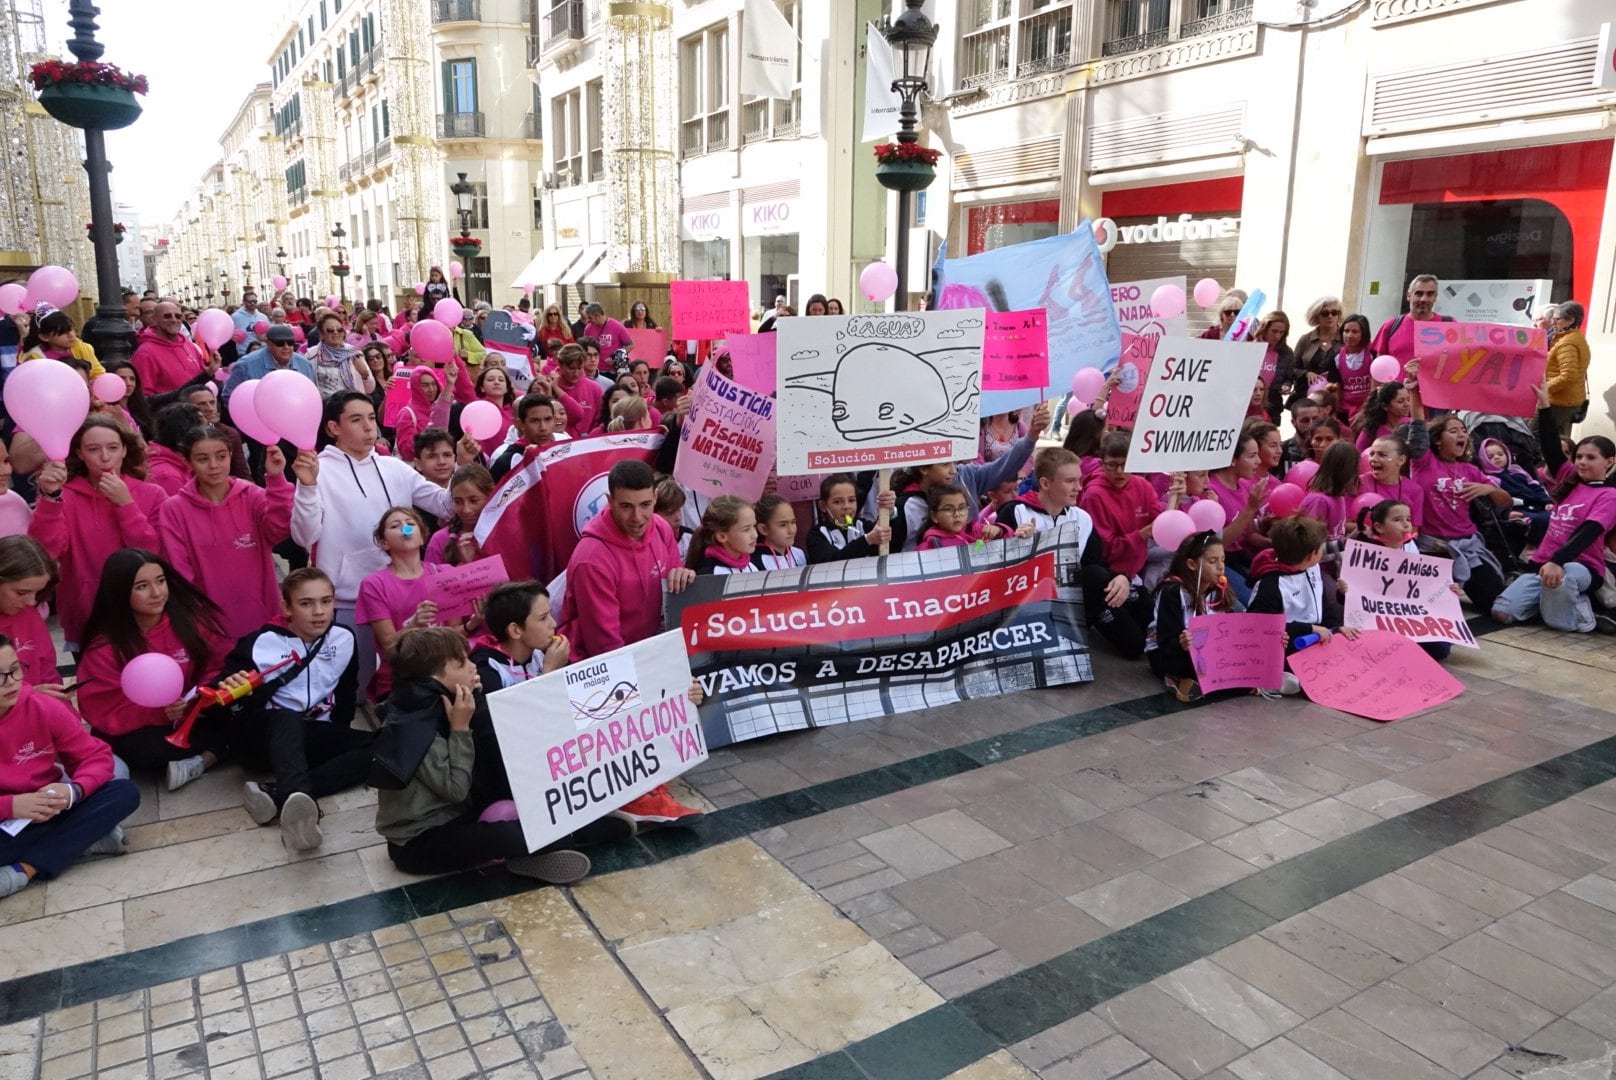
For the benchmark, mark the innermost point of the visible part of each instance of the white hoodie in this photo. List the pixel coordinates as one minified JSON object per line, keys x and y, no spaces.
{"x":337,"y":517}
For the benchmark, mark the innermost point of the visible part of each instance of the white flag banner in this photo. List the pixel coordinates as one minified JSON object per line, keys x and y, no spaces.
{"x":768,"y":51}
{"x":881,"y":102}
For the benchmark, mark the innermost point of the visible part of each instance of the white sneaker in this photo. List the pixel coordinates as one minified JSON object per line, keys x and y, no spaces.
{"x":1292,"y":686}
{"x":1605,"y":595}
{"x":300,"y":823}
{"x":258,"y":802}
{"x":114,"y":843}
{"x":185,"y":770}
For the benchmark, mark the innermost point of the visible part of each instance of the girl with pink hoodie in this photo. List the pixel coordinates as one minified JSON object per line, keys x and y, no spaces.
{"x":219,"y":530}
{"x":428,"y":407}
{"x":90,"y":506}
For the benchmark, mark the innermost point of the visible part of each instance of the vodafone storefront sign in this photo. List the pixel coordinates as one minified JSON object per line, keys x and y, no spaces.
{"x":1164,"y":230}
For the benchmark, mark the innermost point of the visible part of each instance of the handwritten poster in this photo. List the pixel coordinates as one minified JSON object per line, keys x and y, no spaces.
{"x":1015,"y":351}
{"x":1485,"y":367}
{"x":707,"y":310}
{"x":726,"y":444}
{"x":1142,"y":328}
{"x":751,"y":357}
{"x":1193,"y":404}
{"x":1063,"y":275}
{"x":648,"y":345}
{"x":1382,"y":676}
{"x":635,"y":728}
{"x":1238,"y":650}
{"x":1406,"y":593}
{"x":879,"y":391}
{"x":459,"y":587}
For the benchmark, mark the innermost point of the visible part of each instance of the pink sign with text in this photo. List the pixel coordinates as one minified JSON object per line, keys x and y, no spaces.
{"x":1141,"y":330}
{"x":752,"y":358}
{"x":708,"y":310}
{"x":1015,"y":350}
{"x":457,"y":588}
{"x":1382,"y":676}
{"x":1240,"y":650}
{"x":1481,"y":367}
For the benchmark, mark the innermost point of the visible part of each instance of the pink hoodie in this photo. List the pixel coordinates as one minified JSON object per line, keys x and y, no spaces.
{"x":421,"y":412}
{"x":35,"y":734}
{"x":582,"y":402}
{"x":83,"y":530}
{"x":614,"y":585}
{"x":101,"y":697}
{"x":1118,"y":516}
{"x":32,"y":639}
{"x":165,"y":468}
{"x":223,"y":549}
{"x":164,"y":363}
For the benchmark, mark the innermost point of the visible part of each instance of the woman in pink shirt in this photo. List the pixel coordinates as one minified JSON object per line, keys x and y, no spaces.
{"x":1388,"y":471}
{"x":1451,"y":485}
{"x":394,"y":598}
{"x":1352,"y":365}
{"x":90,"y":506}
{"x":26,"y":571}
{"x":1388,"y":407}
{"x":494,"y":387}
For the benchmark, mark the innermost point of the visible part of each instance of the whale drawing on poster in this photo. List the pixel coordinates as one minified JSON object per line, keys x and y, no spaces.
{"x":878,"y":391}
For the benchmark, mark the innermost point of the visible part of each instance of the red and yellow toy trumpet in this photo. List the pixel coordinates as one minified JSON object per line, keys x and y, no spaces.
{"x":209,"y":696}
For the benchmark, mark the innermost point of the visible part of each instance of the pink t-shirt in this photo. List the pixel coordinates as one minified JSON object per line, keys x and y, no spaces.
{"x":385,"y":595}
{"x":1583,"y":504}
{"x":1330,"y":509}
{"x":1356,"y":382}
{"x":1233,"y":500}
{"x":1447,"y":515}
{"x":1270,"y":367}
{"x":1404,"y":491}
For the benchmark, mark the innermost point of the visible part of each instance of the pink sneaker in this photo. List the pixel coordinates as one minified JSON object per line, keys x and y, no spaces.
{"x":659,"y":807}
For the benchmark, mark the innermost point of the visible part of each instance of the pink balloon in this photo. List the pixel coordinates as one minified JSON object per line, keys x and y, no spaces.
{"x":1167,"y":301}
{"x":13,"y":297}
{"x":213,"y":327}
{"x":243,"y":411}
{"x":448,"y":311}
{"x":420,"y":288}
{"x":1386,"y":369}
{"x":1285,"y":500}
{"x":1171,"y":528}
{"x":49,"y":401}
{"x":455,"y":270}
{"x":1208,"y":515}
{"x":431,"y":340}
{"x":1301,"y":474}
{"x":481,"y":420}
{"x":503,"y":810}
{"x":260,"y":327}
{"x":53,"y":285}
{"x":278,"y":281}
{"x":109,"y":388}
{"x":1075,"y":405}
{"x":1367,"y":500}
{"x":878,"y":281}
{"x":1088,"y":383}
{"x":289,"y":404}
{"x":332,"y":300}
{"x":239,"y":336}
{"x":1207,"y":291}
{"x":152,"y":680}
{"x":527,"y":290}
{"x":297,"y":332}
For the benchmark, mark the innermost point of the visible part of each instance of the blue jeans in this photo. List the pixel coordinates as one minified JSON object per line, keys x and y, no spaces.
{"x":50,"y":846}
{"x":1565,"y":608}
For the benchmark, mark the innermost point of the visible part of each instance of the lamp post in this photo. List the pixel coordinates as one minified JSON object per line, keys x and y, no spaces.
{"x":246,"y":277}
{"x":224,"y":285}
{"x":280,"y":259}
{"x":340,"y":267}
{"x":911,"y":36}
{"x":463,"y":192}
{"x":207,"y":281}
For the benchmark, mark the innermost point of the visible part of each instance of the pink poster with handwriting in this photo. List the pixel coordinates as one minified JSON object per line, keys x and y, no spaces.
{"x":751,"y":357}
{"x":1141,"y":330}
{"x":1240,"y":650}
{"x":1382,"y":676}
{"x":1015,"y":350}
{"x":1484,"y":367}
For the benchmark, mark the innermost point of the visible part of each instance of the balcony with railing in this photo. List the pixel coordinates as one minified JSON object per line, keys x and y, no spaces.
{"x":345,"y":171}
{"x":297,"y":196}
{"x":1216,"y":23}
{"x":461,"y":125}
{"x":985,"y":58}
{"x":705,"y":134}
{"x":532,"y":126}
{"x":767,"y":119}
{"x":448,"y":11}
{"x":564,"y":25}
{"x":535,"y":48}
{"x":1211,"y":17}
{"x":384,"y":150}
{"x":1046,"y":43}
{"x":1130,"y":43}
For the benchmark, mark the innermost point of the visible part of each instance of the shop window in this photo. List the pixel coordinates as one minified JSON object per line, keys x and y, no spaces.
{"x":1504,"y":240}
{"x":770,"y":261}
{"x":704,"y":92}
{"x":706,"y":260}
{"x":991,"y":227}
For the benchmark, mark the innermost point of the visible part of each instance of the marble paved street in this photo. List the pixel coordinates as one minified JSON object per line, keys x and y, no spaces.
{"x":1089,"y":882}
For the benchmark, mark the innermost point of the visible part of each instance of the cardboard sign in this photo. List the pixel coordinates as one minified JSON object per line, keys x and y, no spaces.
{"x":648,"y":345}
{"x":1480,"y":367}
{"x":1381,"y":676}
{"x":879,"y":391}
{"x":1142,"y":329}
{"x":1404,"y":592}
{"x":1015,"y":351}
{"x":751,"y":357}
{"x":726,"y":444}
{"x":1194,"y":402}
{"x":580,"y":742}
{"x":1493,"y":301}
{"x":457,"y":588}
{"x":1238,"y":650}
{"x":708,"y":310}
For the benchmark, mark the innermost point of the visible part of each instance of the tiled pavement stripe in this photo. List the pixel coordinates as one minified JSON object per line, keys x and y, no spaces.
{"x":954,"y":1035}
{"x":32,"y":995}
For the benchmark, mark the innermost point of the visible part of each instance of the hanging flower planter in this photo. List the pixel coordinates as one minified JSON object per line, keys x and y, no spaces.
{"x":905,"y":166}
{"x":117,"y":231}
{"x":88,"y":94}
{"x":340,"y":269}
{"x":465,"y":247}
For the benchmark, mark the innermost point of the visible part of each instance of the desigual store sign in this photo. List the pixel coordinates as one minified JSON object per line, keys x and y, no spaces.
{"x":1165,"y":230}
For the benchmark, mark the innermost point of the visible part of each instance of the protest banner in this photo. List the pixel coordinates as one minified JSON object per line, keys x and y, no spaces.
{"x":841,"y":641}
{"x":582,"y":741}
{"x":1238,"y":650}
{"x":534,"y":526}
{"x":457,"y":588}
{"x":1142,"y":329}
{"x":798,"y":488}
{"x":877,"y":391}
{"x":1381,"y":676}
{"x":1064,"y":275}
{"x":1015,"y":351}
{"x":707,"y":310}
{"x":398,"y":396}
{"x":1482,"y":367}
{"x":504,"y":335}
{"x":648,"y":345}
{"x":1193,"y":404}
{"x":1404,"y":592}
{"x":751,"y":357}
{"x":726,"y":443}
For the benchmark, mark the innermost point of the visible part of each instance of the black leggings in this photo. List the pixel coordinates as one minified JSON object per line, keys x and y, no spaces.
{"x":1484,"y":587}
{"x":1169,"y":660}
{"x":460,"y":844}
{"x":147,"y":749}
{"x":315,"y":757}
{"x":1124,"y":627}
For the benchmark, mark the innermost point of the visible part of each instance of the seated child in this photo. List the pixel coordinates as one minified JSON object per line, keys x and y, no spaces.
{"x":1531,"y":499}
{"x":839,"y":535}
{"x":300,"y":718}
{"x":430,"y":823}
{"x":57,"y":778}
{"x":726,"y":539}
{"x":777,"y":533}
{"x":1194,"y":585}
{"x":949,"y":509}
{"x":1286,"y":580}
{"x":1391,"y":524}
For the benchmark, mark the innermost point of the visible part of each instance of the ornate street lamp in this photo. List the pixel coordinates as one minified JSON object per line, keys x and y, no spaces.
{"x":907,"y":167}
{"x":464,"y":245}
{"x":340,"y":268}
{"x":246,"y":276}
{"x":280,"y":259}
